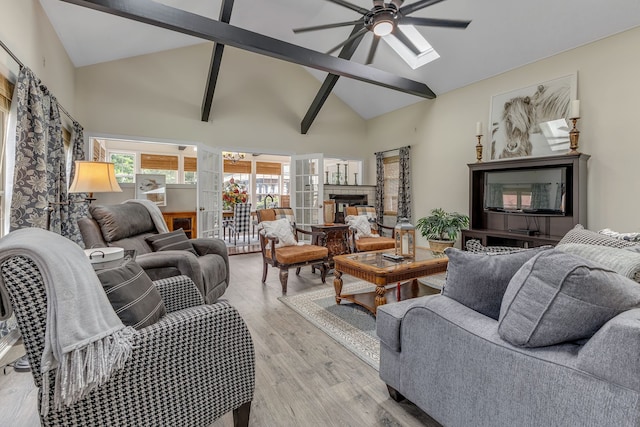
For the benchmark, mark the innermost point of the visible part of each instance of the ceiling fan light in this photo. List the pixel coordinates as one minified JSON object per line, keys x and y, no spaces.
{"x":382,"y":28}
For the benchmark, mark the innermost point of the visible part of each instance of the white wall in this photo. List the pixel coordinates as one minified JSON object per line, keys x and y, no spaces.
{"x":441,"y":131}
{"x":26,"y":30}
{"x":258,"y":104}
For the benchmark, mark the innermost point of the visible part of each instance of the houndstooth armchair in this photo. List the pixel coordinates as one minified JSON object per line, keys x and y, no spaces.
{"x":188,"y":369}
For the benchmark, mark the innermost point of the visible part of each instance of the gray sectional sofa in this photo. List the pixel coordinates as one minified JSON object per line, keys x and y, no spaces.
{"x":448,"y":353}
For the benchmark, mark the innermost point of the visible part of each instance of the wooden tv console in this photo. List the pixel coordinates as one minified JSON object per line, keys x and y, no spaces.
{"x":495,"y":228}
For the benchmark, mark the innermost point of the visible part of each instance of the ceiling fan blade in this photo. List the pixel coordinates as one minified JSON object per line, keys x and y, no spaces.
{"x":353,"y":37}
{"x":406,"y":41}
{"x":325,"y":26}
{"x":432,"y":22}
{"x":410,"y":8}
{"x":397,"y":3}
{"x":372,"y":50}
{"x":351,"y":6}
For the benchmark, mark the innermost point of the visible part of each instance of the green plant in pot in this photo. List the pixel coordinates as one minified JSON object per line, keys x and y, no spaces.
{"x":441,"y":228}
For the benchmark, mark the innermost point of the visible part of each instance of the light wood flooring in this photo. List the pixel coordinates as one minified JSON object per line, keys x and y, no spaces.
{"x":303,"y":377}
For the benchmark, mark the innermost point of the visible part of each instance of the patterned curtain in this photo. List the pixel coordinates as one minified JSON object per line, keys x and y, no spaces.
{"x":78,"y":207}
{"x":30,"y":195}
{"x":404,"y":184}
{"x":380,"y":186}
{"x":56,"y":167}
{"x":540,"y":197}
{"x":494,"y":197}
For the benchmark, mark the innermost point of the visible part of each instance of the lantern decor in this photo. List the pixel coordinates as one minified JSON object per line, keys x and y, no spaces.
{"x":329,"y":212}
{"x":405,"y":238}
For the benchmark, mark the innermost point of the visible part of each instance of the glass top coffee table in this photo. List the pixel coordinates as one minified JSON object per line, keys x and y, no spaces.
{"x":393,"y":281}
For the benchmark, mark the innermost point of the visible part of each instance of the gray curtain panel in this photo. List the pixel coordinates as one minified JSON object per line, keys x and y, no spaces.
{"x":404,"y":184}
{"x":56,"y":166}
{"x":380,"y":187}
{"x":540,"y":197}
{"x":30,"y":182}
{"x":494,"y":197}
{"x":78,"y":207}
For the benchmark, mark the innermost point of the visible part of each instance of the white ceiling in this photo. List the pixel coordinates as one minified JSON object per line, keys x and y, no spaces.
{"x":503,"y":35}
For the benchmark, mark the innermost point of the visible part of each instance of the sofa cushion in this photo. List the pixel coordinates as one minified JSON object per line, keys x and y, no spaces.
{"x":122,"y":221}
{"x":621,"y":261}
{"x":132,"y":294}
{"x":175,"y":240}
{"x":361,"y":226}
{"x":579,"y":234}
{"x":366,"y":244}
{"x":558,"y":297}
{"x":299,"y":254}
{"x":474,"y":245}
{"x":479,"y":280}
{"x":280,"y":228}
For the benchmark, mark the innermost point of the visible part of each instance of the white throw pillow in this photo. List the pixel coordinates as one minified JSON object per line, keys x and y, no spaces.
{"x":280,"y":228}
{"x":361,"y":224}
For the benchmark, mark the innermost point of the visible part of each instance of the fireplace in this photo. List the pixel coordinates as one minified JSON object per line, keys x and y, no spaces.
{"x":343,"y":200}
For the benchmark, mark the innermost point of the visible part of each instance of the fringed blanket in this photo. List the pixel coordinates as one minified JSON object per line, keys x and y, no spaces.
{"x":85,"y":341}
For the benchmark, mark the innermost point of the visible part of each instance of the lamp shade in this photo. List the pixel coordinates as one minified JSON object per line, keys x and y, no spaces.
{"x":94,"y":177}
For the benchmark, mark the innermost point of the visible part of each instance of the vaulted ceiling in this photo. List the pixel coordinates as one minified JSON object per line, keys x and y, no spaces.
{"x":503,"y":35}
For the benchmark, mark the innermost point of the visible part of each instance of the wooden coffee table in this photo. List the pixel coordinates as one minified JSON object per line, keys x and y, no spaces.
{"x":394,"y":281}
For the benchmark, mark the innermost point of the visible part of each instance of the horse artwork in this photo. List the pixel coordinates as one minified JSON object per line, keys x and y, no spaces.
{"x":532,"y":121}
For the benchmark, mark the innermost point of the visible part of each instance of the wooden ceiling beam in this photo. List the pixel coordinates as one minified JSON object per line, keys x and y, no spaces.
{"x":159,"y":15}
{"x":329,"y":82}
{"x":216,"y":60}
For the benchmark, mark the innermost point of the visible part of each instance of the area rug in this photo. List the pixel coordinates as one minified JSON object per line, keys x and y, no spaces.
{"x":349,"y":324}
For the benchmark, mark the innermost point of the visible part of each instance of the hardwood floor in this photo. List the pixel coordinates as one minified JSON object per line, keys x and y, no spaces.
{"x":303,"y":377}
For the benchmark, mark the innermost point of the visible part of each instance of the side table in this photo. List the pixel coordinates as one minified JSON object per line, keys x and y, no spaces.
{"x":337,"y":240}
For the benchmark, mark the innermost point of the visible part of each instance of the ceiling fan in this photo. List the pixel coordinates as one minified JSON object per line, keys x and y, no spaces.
{"x":383,"y":19}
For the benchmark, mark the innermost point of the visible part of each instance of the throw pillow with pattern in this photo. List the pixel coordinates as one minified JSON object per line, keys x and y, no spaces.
{"x":360,"y":224}
{"x":280,"y":228}
{"x":175,"y":240}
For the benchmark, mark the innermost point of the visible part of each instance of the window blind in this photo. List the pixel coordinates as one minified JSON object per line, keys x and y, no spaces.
{"x":190,"y":164}
{"x":268,"y":168}
{"x":238,"y":167}
{"x":159,"y":162}
{"x":6,"y":93}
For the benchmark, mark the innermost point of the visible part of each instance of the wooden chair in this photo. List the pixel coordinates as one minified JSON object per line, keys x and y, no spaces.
{"x":365,"y":244}
{"x":287,"y":257}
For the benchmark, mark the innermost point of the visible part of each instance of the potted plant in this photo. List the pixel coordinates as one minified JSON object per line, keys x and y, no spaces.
{"x":441,"y":228}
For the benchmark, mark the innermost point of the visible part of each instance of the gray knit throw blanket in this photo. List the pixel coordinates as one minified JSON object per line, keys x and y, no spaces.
{"x":85,"y":341}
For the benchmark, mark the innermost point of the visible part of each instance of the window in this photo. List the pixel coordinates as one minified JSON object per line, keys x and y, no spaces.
{"x":190,"y":170}
{"x":6,"y":92}
{"x":124,"y":165}
{"x":268,"y":184}
{"x":160,"y":165}
{"x":240,"y":172}
{"x":391,"y":183}
{"x":517,"y":197}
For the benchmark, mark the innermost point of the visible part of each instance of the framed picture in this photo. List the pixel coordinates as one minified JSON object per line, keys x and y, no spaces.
{"x":532,"y":121}
{"x":151,"y":187}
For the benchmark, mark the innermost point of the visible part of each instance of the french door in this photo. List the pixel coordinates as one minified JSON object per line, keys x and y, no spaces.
{"x":209,"y":199}
{"x":307,"y":190}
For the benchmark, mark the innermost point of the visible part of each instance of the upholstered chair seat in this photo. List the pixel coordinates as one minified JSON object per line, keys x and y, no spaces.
{"x":129,"y":226}
{"x":360,"y":243}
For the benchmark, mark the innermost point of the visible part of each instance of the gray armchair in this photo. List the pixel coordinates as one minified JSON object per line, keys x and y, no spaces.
{"x":127,"y":225}
{"x":194,"y":365}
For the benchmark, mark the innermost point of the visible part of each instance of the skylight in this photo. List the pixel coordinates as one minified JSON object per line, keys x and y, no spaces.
{"x":427,"y":52}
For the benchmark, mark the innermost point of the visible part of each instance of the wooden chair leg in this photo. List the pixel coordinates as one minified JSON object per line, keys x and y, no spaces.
{"x":298,"y":271}
{"x":284,"y":277}
{"x":324,"y":271}
{"x":265,"y":265}
{"x":241,"y":415}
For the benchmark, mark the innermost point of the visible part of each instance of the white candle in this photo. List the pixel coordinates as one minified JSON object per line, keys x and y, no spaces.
{"x":575,"y":109}
{"x":405,"y":244}
{"x":478,"y":128}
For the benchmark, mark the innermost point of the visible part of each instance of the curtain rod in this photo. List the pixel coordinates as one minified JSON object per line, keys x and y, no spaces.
{"x":21,"y":64}
{"x":393,"y":149}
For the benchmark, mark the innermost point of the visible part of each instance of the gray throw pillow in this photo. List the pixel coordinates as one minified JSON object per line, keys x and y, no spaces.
{"x":479,"y":280}
{"x":175,"y":240}
{"x":579,"y":234}
{"x":557,"y":297}
{"x":132,"y":294}
{"x":622,"y":261}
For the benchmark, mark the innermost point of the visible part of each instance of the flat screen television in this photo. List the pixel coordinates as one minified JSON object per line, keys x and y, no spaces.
{"x":527,"y":191}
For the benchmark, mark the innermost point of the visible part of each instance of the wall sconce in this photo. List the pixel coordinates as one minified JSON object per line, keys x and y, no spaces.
{"x":94,"y":177}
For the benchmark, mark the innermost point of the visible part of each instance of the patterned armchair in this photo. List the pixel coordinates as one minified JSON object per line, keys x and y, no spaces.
{"x":364,"y":244}
{"x":293,"y":256}
{"x":188,"y":369}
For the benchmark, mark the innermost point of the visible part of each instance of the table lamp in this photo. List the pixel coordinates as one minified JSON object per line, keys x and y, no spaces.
{"x":94,"y":177}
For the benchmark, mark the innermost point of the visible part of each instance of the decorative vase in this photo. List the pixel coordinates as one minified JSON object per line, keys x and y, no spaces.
{"x":440,"y":245}
{"x":329,"y":212}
